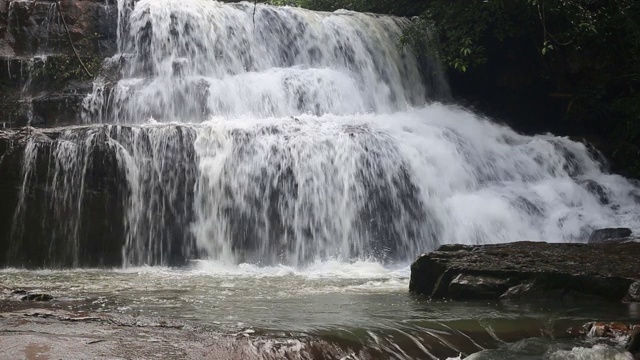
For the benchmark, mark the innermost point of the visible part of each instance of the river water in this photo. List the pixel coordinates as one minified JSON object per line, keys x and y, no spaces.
{"x":297,"y":162}
{"x":363,"y":307}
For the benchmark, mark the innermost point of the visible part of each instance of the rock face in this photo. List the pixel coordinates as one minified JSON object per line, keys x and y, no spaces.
{"x":38,"y":236}
{"x":41,"y":81}
{"x":69,"y":199}
{"x":633,"y":346}
{"x":529,"y":270}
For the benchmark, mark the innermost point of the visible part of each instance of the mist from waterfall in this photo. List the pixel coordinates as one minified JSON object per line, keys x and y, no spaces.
{"x":304,"y":136}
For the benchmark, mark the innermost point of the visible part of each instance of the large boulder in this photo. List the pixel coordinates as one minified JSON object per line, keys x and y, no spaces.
{"x":530,"y":270}
{"x":602,"y":235}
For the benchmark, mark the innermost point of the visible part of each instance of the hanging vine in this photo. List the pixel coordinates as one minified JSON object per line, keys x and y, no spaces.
{"x":66,"y":27}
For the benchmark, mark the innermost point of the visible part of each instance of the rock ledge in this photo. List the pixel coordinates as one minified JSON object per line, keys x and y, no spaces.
{"x":530,"y":270}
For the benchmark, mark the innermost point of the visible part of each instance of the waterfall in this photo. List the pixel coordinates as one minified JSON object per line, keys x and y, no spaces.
{"x":185,"y":61}
{"x":298,"y":136}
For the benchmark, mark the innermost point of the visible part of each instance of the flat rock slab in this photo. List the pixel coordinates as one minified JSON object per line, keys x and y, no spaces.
{"x":531,"y":270}
{"x":58,"y":334}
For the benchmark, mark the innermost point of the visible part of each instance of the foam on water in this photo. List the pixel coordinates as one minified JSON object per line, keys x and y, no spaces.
{"x":597,"y":352}
{"x":538,"y":349}
{"x":330,"y":269}
{"x":317,"y":270}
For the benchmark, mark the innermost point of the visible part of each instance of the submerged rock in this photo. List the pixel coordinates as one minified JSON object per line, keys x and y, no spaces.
{"x":615,"y":332}
{"x":612,"y":330}
{"x":530,"y":270}
{"x":37,"y":297}
{"x":596,"y":190}
{"x":633,"y":295}
{"x":633,"y":346}
{"x":601,"y":235}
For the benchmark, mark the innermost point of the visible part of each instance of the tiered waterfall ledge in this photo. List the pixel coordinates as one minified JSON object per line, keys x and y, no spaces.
{"x":530,"y":270}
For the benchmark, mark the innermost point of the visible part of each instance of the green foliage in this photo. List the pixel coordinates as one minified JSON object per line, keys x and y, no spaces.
{"x":57,"y":71}
{"x":586,"y":49}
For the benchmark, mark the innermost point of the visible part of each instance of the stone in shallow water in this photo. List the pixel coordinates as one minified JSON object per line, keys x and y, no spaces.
{"x":601,"y":235}
{"x":634,"y":292}
{"x":37,"y":297}
{"x":633,"y":346}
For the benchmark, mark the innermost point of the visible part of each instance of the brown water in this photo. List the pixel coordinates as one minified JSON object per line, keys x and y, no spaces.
{"x":361,"y":306}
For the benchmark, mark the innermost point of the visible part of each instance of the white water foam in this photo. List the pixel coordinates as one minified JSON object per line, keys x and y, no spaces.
{"x":318,"y":270}
{"x":597,"y":352}
{"x":449,"y":176}
{"x":185,"y":60}
{"x":295,"y":191}
{"x":322,"y":277}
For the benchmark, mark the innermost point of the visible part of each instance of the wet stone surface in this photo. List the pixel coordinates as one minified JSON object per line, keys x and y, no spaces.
{"x":37,"y":333}
{"x":530,"y":270}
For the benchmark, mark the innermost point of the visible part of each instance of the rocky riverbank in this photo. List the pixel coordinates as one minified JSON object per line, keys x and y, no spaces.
{"x":37,"y":325}
{"x":37,"y":333}
{"x":604,"y":270}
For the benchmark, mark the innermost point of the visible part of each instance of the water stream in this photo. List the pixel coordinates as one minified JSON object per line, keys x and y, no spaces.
{"x":303,"y":160}
{"x":362,"y":306}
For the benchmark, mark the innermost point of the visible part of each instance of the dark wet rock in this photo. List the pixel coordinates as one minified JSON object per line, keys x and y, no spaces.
{"x":634,"y":293}
{"x":34,"y":27}
{"x":37,"y":297}
{"x":520,"y":290}
{"x":528,"y":270}
{"x":538,"y":290}
{"x":476,"y":287}
{"x":45,"y":90}
{"x":36,"y":237}
{"x":597,"y":190}
{"x":601,"y":235}
{"x":633,"y":345}
{"x":48,"y":230}
{"x":611,"y":330}
{"x":57,"y":109}
{"x":42,"y":81}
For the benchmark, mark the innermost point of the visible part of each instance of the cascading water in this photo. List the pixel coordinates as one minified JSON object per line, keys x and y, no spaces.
{"x":292,"y":136}
{"x":186,"y":61}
